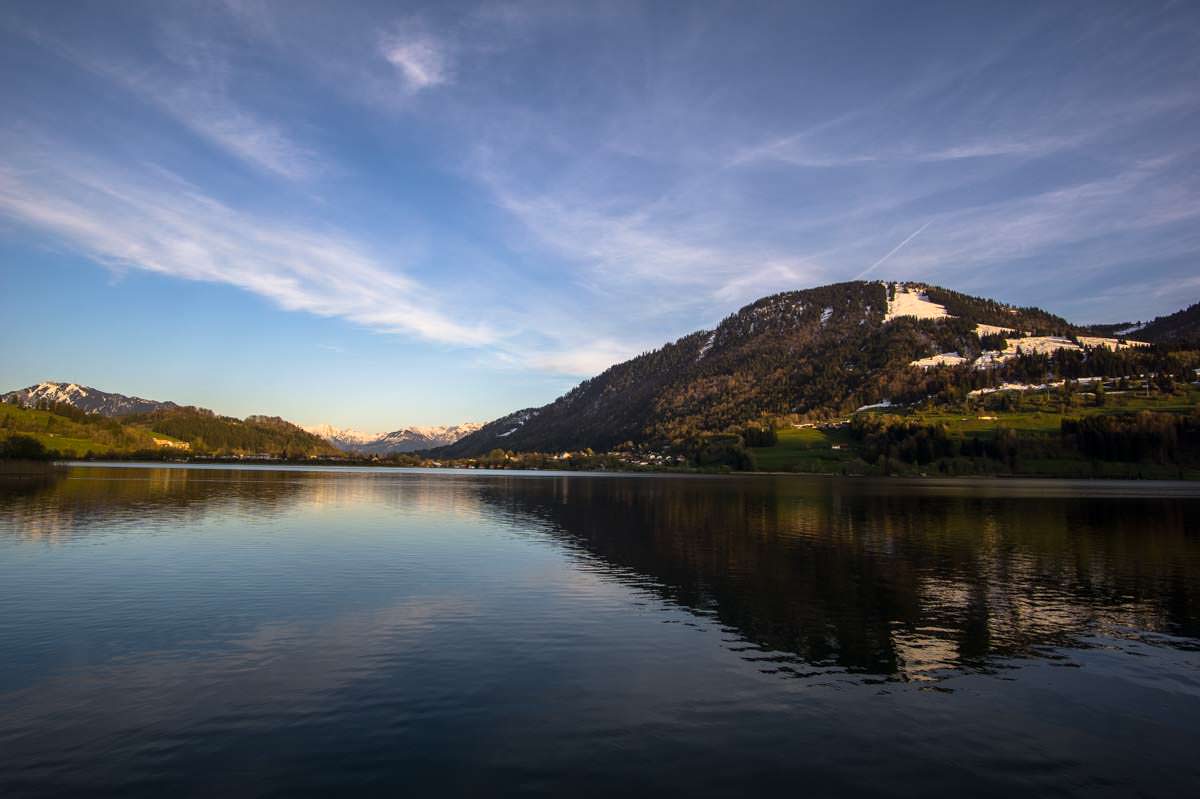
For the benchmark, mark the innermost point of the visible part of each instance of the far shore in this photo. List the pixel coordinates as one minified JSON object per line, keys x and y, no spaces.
{"x":1172,"y":487}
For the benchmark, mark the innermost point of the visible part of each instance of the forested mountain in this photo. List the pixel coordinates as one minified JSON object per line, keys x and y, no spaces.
{"x":65,"y":431}
{"x":206,"y":431}
{"x":85,"y":398}
{"x":77,"y":420}
{"x":794,"y":357}
{"x":212,"y":432}
{"x":1180,"y":326}
{"x":816,"y":353}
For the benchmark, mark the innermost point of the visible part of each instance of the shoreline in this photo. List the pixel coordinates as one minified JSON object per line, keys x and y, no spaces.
{"x":1180,"y":487}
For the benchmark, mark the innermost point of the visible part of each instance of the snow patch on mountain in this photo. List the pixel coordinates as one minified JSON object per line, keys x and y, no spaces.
{"x":1110,"y":343}
{"x":982,"y":329}
{"x":1024,"y":343}
{"x":1041,"y":345}
{"x":1029,"y":345}
{"x":912,"y":301}
{"x":517,"y":420}
{"x":941,"y":359}
{"x":1030,"y":386}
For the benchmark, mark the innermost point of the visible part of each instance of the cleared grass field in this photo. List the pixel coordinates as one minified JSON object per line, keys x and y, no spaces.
{"x":72,"y":447}
{"x":805,"y":449}
{"x":1040,"y":417}
{"x":75,"y":438}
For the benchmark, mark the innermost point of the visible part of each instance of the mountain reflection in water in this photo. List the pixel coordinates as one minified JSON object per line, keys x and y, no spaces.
{"x":885,"y":578}
{"x":340,"y":629}
{"x":871,"y":577}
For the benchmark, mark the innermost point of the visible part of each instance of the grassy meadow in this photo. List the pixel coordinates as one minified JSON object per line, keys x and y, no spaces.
{"x":1033,"y":417}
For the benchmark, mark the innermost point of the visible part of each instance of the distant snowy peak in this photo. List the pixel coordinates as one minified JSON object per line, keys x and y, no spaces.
{"x":342,"y":435}
{"x":411,"y":439}
{"x":85,"y":398}
{"x":455,"y":431}
{"x":408,"y":439}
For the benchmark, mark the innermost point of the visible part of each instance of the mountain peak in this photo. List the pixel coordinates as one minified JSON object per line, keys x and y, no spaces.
{"x":407,"y":439}
{"x":85,"y":398}
{"x":823,"y":350}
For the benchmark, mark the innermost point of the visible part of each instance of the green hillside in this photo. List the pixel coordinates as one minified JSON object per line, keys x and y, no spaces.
{"x":67,"y":432}
{"x":1037,"y":433}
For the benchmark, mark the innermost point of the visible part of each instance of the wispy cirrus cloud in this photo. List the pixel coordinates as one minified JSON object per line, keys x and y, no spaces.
{"x":1070,"y":244}
{"x":654,"y":270}
{"x":624,"y":179}
{"x":421,"y":61}
{"x":209,"y":113}
{"x":820,"y":149}
{"x":157,"y":223}
{"x":575,"y":358}
{"x":192,"y":82}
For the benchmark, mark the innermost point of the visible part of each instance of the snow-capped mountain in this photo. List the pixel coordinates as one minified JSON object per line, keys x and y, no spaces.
{"x":344,"y":438}
{"x":408,"y":439}
{"x":85,"y":398}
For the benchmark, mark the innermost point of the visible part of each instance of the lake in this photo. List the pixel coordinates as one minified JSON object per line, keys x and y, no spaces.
{"x":282,"y":632}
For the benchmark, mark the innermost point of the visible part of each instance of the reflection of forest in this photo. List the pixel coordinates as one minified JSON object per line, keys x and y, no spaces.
{"x":82,"y":501}
{"x":873,"y":577}
{"x":891,"y":579}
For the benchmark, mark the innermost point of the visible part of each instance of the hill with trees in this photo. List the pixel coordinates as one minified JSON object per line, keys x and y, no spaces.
{"x":206,"y":431}
{"x":1181,"y":326}
{"x":63,"y":430}
{"x":816,"y":354}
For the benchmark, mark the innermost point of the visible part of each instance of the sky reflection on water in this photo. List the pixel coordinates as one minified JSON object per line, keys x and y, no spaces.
{"x":262,"y":631}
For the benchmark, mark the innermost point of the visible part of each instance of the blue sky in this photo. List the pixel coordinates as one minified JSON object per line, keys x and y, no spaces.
{"x":385,"y":214}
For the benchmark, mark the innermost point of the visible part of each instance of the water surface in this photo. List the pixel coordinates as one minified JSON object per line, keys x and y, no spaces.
{"x":251,"y":632}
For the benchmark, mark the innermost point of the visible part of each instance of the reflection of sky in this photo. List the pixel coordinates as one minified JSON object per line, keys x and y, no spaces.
{"x":159,"y":623}
{"x":120,"y":560}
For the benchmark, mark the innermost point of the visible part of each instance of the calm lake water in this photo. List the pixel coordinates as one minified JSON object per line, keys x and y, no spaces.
{"x":246,"y":632}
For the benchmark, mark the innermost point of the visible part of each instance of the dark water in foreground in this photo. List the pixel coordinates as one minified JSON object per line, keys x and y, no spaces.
{"x":217,"y":632}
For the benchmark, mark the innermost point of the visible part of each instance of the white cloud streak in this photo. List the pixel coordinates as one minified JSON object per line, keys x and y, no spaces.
{"x":583,"y":359}
{"x":892,"y":251}
{"x":422,"y":60}
{"x":171,"y":228}
{"x":196,"y":93}
{"x":1141,"y":201}
{"x":634,"y":195}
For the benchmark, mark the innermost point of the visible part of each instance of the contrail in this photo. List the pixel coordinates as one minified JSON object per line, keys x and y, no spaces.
{"x":893,"y":251}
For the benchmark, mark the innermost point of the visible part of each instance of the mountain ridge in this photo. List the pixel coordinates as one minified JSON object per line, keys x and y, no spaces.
{"x":1182,"y":325}
{"x":822,"y":351}
{"x":406,"y":439}
{"x":109,"y":404}
{"x":810,"y":354}
{"x":85,"y":398}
